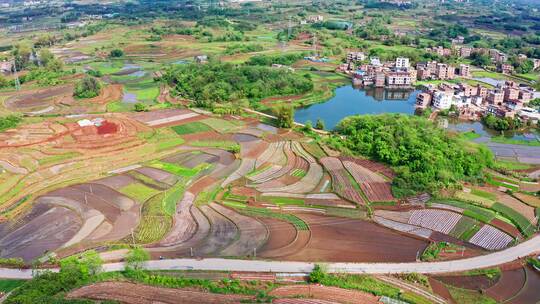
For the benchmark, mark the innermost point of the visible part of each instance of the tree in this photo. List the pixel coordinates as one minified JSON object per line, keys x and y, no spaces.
{"x":140,"y":107}
{"x":480,"y":59}
{"x":320,"y":124}
{"x":22,"y":54}
{"x":3,"y":82}
{"x":88,"y":87}
{"x":307,"y":126}
{"x":525,"y":66}
{"x":86,"y":265}
{"x":136,"y":258}
{"x":425,"y":157}
{"x":116,"y":53}
{"x":45,"y":56}
{"x":318,"y":274}
{"x":9,"y":122}
{"x":285,"y":116}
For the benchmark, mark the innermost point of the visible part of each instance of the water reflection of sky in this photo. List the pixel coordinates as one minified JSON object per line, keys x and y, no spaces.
{"x":350,"y":101}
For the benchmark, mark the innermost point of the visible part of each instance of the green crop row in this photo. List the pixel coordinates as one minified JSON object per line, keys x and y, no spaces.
{"x":521,"y":222}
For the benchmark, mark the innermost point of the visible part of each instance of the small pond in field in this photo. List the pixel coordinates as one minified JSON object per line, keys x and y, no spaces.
{"x":352,"y":101}
{"x":478,"y":128}
{"x":129,"y":98}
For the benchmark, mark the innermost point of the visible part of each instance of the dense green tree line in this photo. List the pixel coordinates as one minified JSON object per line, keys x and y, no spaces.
{"x":501,"y":124}
{"x":207,"y":84}
{"x":424,"y":156}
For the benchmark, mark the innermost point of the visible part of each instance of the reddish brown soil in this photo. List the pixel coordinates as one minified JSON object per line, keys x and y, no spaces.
{"x":107,"y":128}
{"x":37,"y":98}
{"x":355,"y":241}
{"x":509,"y":285}
{"x":531,"y":291}
{"x":334,"y":294}
{"x":468,"y":282}
{"x":440,"y":290}
{"x":209,"y":135}
{"x":504,"y":226}
{"x":117,"y":181}
{"x":202,"y":184}
{"x":257,"y":150}
{"x":300,"y":242}
{"x":470,"y":249}
{"x":44,"y":228}
{"x":113,"y":92}
{"x":281,"y":234}
{"x":373,"y":166}
{"x":130,"y":293}
{"x":246,"y":191}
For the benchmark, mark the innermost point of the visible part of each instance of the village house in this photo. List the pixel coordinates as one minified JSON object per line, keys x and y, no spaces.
{"x":356,"y":56}
{"x":464,"y":70}
{"x":398,"y":79}
{"x":444,"y":71}
{"x":5,"y":67}
{"x":505,"y":68}
{"x":497,"y":56}
{"x":458,"y":40}
{"x":402,"y":63}
{"x":442,"y":100}
{"x":439,"y":50}
{"x":536,"y":64}
{"x":495,"y":97}
{"x":465,"y":52}
{"x":315,"y":18}
{"x":423,"y":99}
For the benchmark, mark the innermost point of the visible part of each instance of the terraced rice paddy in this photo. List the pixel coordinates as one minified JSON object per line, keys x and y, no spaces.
{"x":279,"y":197}
{"x":341,"y":180}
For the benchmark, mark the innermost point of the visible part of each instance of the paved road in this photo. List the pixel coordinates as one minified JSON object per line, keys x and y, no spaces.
{"x":508,"y":255}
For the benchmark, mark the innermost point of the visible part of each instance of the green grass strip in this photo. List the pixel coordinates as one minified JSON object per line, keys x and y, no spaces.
{"x":190,"y":128}
{"x":521,"y":222}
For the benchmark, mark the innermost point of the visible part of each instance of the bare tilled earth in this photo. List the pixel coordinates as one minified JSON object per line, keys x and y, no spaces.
{"x":359,"y":241}
{"x":333,"y":294}
{"x":130,"y":293}
{"x":45,"y":228}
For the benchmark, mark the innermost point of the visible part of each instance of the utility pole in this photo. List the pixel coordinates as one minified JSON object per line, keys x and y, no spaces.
{"x":289,"y":31}
{"x":314,"y":42}
{"x":17,"y":82}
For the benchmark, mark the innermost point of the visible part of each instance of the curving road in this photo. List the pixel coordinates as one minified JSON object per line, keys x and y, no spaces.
{"x":493,"y":259}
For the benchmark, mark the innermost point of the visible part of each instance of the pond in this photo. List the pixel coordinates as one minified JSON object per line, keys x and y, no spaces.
{"x":129,"y":97}
{"x":351,"y":101}
{"x":480,"y":129}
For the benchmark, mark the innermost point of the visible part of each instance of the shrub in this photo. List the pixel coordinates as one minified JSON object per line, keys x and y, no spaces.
{"x":9,"y":122}
{"x":136,"y":258}
{"x":116,"y":53}
{"x":285,"y":116}
{"x":318,"y":274}
{"x":12,"y":262}
{"x":140,"y":107}
{"x":88,"y":87}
